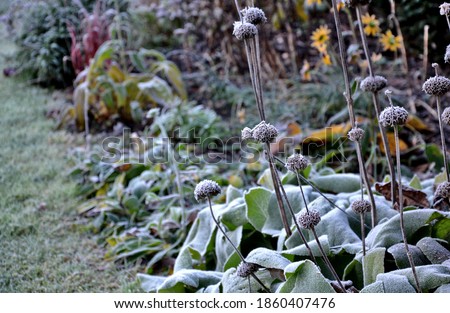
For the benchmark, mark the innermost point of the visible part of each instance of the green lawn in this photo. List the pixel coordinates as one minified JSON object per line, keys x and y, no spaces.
{"x":43,"y":247}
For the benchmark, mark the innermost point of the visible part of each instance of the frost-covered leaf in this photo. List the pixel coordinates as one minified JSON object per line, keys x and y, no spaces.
{"x":150,"y":283}
{"x":233,"y":193}
{"x":267,"y":258}
{"x":296,"y":247}
{"x":402,"y":281}
{"x":262,"y":207}
{"x":233,"y":214}
{"x":433,"y":250}
{"x":197,"y":241}
{"x":232,"y":283}
{"x":304,"y":277}
{"x":373,"y":264}
{"x":337,"y":183}
{"x":336,"y":226}
{"x":443,"y":289}
{"x":224,"y":250}
{"x":388,"y":233}
{"x":188,"y":280}
{"x":398,"y":251}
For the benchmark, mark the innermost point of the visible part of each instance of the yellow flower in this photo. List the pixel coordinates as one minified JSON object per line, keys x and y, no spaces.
{"x":390,"y":42}
{"x":311,"y":2}
{"x":371,"y":25}
{"x":320,"y":37}
{"x":326,"y":60}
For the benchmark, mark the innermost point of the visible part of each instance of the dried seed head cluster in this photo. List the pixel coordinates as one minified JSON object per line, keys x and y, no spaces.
{"x":356,"y":134}
{"x":263,"y":132}
{"x":373,"y":84}
{"x":244,"y":30}
{"x":254,"y":16}
{"x":393,"y":116}
{"x":353,"y":3}
{"x":245,"y":269}
{"x":206,"y":189}
{"x":443,"y":190}
{"x":296,"y":163}
{"x":437,"y":85}
{"x":308,"y":220}
{"x":446,"y":116}
{"x":444,"y":8}
{"x":447,"y":54}
{"x":361,"y":206}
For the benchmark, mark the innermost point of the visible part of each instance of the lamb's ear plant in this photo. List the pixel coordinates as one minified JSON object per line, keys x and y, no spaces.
{"x":374,"y":84}
{"x":207,"y":189}
{"x":394,"y":116}
{"x":356,"y":134}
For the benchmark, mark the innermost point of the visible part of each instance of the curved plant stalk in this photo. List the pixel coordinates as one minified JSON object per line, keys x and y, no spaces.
{"x":402,"y":223}
{"x":254,"y":60}
{"x":233,"y":245}
{"x":327,"y":261}
{"x":349,"y":99}
{"x":441,"y":128}
{"x":377,"y":107}
{"x":297,"y":226}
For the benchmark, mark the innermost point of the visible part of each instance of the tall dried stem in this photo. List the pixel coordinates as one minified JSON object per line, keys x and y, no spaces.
{"x":349,"y":99}
{"x":377,"y":106}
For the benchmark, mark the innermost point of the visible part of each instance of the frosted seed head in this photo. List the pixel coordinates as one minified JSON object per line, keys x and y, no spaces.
{"x":361,"y":206}
{"x":264,"y":132}
{"x":254,"y":16}
{"x":446,"y":116}
{"x":245,"y":269}
{"x":296,"y":163}
{"x":246,"y":134}
{"x":393,"y":116}
{"x":353,"y":3}
{"x":206,"y":189}
{"x":447,"y":54}
{"x":244,"y":30}
{"x":443,"y":190}
{"x":436,"y":86}
{"x":444,"y":8}
{"x":356,"y":134}
{"x":308,"y":220}
{"x":373,"y":84}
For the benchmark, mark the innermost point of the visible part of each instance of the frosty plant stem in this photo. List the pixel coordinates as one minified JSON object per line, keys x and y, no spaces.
{"x":311,"y":255}
{"x":351,"y":112}
{"x":395,"y":117}
{"x":374,"y":90}
{"x":207,"y":189}
{"x":438,"y":86}
{"x":246,"y":30}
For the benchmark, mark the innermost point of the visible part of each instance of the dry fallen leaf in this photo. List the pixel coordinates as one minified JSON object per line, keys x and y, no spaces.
{"x":411,"y":196}
{"x":391,"y":141}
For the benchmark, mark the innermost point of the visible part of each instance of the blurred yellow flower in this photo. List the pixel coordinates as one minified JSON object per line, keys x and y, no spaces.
{"x":390,"y":42}
{"x":371,"y":25}
{"x":320,"y":37}
{"x":326,"y":60}
{"x":311,"y":2}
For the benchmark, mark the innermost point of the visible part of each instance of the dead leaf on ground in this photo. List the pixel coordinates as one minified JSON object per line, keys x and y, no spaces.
{"x":441,"y":204}
{"x":411,"y":196}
